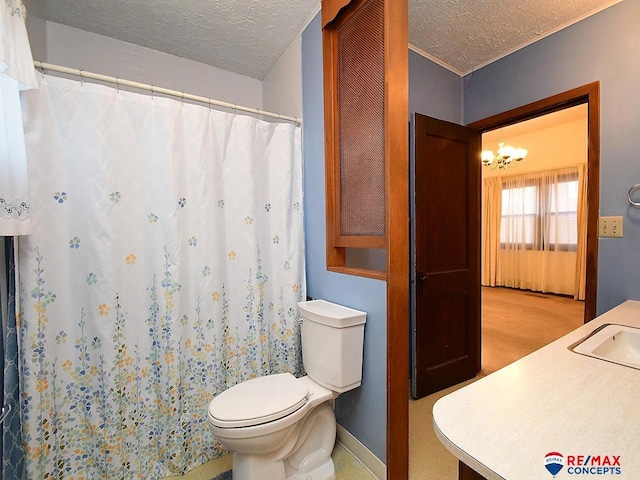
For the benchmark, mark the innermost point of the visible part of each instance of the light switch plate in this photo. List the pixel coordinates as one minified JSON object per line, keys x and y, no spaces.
{"x":610,"y":227}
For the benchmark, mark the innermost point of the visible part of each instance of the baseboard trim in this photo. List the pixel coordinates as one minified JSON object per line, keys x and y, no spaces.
{"x":361,"y":453}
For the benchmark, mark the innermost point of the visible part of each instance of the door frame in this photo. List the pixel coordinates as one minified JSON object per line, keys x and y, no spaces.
{"x":398,"y":333}
{"x":589,"y":94}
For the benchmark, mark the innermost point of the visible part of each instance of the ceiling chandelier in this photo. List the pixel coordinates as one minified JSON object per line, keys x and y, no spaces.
{"x":506,"y":156}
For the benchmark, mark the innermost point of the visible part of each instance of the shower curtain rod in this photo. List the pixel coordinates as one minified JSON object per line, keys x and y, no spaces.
{"x":153,"y":89}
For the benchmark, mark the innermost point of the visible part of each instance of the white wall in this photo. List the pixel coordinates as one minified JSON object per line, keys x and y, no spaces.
{"x":74,"y":48}
{"x":37,"y":31}
{"x":282,"y":86}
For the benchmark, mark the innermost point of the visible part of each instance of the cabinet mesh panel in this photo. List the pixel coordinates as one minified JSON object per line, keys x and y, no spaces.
{"x":361,"y":121}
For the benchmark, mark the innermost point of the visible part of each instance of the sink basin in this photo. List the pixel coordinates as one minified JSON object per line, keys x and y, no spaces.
{"x":614,"y":343}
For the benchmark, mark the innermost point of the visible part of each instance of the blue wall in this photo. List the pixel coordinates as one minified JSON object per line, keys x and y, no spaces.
{"x":433,"y":91}
{"x":604,"y":47}
{"x":363,"y":411}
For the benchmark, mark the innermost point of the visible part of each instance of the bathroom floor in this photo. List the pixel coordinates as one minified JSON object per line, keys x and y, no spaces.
{"x":347,"y":467}
{"x":515,"y":323}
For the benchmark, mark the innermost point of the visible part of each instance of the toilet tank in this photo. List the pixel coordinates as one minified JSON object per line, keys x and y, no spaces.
{"x":332,"y":344}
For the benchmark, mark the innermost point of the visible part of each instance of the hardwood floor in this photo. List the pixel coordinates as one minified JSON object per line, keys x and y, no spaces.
{"x":515,"y":323}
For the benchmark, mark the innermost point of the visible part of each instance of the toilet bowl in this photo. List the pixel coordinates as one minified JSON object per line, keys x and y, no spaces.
{"x":264,"y":446}
{"x":283,"y":428}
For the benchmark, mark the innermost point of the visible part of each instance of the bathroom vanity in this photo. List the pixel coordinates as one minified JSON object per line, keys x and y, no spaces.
{"x":554,"y":409}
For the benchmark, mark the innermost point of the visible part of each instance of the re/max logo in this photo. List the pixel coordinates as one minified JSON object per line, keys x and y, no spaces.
{"x":594,"y":460}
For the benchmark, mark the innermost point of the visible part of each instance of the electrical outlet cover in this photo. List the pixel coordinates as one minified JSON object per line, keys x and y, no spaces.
{"x":610,"y":226}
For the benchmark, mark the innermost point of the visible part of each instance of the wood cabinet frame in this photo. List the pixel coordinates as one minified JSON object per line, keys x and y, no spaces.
{"x":334,"y":14}
{"x":396,"y":240}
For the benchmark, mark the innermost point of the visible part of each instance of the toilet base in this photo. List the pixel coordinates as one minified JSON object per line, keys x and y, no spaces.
{"x":326,"y":471}
{"x":252,"y":466}
{"x":257,"y":466}
{"x":304,"y":455}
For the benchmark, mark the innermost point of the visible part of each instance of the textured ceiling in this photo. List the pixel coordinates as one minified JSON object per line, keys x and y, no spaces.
{"x":248,"y":36}
{"x":465,"y":35}
{"x":242,"y":36}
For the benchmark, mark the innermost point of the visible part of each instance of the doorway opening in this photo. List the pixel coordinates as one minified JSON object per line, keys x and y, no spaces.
{"x":588,"y":95}
{"x":534,"y":236}
{"x":429,"y":459}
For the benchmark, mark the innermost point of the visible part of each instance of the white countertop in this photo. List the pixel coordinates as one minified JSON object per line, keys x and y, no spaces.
{"x":553,"y":400}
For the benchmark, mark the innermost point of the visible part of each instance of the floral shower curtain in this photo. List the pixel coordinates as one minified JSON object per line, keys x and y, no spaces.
{"x":165,"y":265}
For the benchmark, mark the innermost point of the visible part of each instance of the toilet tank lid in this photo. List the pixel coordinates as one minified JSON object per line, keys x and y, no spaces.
{"x":331,"y":314}
{"x":264,"y":398}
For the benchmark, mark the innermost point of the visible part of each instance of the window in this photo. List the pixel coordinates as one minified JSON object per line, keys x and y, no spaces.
{"x":563,"y":227}
{"x":540,"y":212}
{"x":519,"y":215}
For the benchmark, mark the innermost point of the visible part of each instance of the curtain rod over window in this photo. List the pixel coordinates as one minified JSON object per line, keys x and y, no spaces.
{"x":154,"y":89}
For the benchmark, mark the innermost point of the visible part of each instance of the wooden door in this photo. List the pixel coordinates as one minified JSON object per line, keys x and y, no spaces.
{"x":446,"y":209}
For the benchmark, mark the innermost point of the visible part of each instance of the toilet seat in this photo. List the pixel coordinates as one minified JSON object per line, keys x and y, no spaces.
{"x":258,"y":401}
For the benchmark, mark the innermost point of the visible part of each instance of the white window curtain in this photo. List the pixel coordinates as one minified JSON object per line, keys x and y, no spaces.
{"x":581,"y":250}
{"x":534,"y":233}
{"x":491,"y":212}
{"x":16,"y":73}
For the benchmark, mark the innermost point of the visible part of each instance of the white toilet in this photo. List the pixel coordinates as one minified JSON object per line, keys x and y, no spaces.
{"x":283,"y":428}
